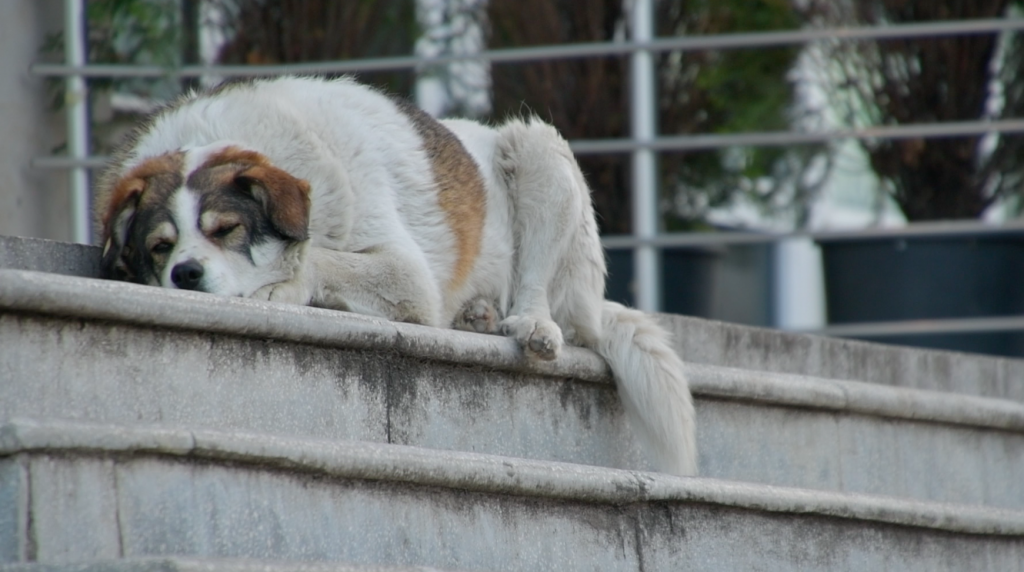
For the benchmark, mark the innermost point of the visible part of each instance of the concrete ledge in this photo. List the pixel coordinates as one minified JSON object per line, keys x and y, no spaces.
{"x":79,"y":298}
{"x":734,"y":345}
{"x":855,"y":397}
{"x":178,"y":564}
{"x":703,"y":341}
{"x":71,"y":297}
{"x":492,"y":474}
{"x":49,"y":256}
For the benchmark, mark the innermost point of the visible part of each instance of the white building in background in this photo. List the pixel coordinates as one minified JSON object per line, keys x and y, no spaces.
{"x":849,"y":200}
{"x":453,"y":27}
{"x":34,"y":202}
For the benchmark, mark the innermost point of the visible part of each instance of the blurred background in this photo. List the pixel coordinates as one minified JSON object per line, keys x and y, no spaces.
{"x":846,"y":167}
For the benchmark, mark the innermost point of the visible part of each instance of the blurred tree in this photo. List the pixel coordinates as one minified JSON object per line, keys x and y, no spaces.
{"x":699,"y":92}
{"x":459,"y":88}
{"x":191,"y":45}
{"x":289,"y":31}
{"x":953,"y":78}
{"x":147,"y":32}
{"x":167,"y":33}
{"x":734,"y":91}
{"x":584,"y":98}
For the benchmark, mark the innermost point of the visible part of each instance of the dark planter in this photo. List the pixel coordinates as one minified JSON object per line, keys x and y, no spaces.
{"x":926,"y":277}
{"x":687,"y":278}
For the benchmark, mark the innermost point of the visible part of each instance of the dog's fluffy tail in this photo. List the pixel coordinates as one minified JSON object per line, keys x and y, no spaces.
{"x":651,"y":385}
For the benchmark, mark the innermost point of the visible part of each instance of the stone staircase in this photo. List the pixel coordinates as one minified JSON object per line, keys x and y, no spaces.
{"x":151,"y":430}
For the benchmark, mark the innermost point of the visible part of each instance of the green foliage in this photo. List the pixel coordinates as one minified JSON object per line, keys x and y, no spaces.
{"x":731,"y":91}
{"x":746,"y":90}
{"x":146,"y":32}
{"x":126,"y":32}
{"x":725,"y":91}
{"x":134,"y":31}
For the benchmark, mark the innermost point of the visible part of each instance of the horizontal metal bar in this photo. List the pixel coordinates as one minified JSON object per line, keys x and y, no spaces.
{"x":778,"y":138}
{"x":550,"y":52}
{"x":712,"y":141}
{"x":65,"y":162}
{"x":924,"y":327}
{"x":724,"y":238}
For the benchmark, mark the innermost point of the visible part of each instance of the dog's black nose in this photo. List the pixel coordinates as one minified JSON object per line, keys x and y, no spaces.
{"x":187,"y":274}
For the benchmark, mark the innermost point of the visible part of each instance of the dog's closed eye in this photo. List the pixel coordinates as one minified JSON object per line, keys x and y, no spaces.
{"x":162,"y":247}
{"x":218,"y":225}
{"x":162,"y":240}
{"x":224,"y":231}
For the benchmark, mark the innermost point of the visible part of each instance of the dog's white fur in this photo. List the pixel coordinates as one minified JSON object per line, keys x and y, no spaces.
{"x":380,"y":243}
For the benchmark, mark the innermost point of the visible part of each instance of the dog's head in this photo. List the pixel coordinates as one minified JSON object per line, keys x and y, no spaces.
{"x":217,"y":219}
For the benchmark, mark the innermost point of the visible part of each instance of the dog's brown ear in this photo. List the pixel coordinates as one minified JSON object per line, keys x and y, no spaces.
{"x":285,"y":198}
{"x":117,"y":224}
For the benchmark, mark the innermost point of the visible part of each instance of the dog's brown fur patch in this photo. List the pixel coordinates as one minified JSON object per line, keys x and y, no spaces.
{"x":288,"y":196}
{"x":136,"y":181}
{"x":460,"y":188}
{"x":236,"y":156}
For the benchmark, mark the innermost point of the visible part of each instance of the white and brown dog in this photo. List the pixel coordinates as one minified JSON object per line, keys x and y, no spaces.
{"x":332,"y":194}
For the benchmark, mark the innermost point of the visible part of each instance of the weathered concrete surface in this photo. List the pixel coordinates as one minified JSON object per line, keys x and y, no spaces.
{"x":269,"y":433}
{"x":759,"y":349}
{"x":33,"y":202}
{"x":200,"y":380}
{"x":339,"y":376}
{"x":107,"y":491}
{"x":701,"y":341}
{"x":177,"y":564}
{"x":49,"y":256}
{"x":729,"y":345}
{"x":474,"y":472}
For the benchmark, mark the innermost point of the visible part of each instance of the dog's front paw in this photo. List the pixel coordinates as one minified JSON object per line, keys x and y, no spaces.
{"x":479,"y":315}
{"x":538,"y":337}
{"x":288,"y":292}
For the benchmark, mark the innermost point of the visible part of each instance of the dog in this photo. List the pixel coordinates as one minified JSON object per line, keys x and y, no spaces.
{"x":330,"y":193}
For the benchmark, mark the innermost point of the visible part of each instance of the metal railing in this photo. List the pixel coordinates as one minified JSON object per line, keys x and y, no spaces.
{"x":642,"y":145}
{"x":76,"y":100}
{"x":553,"y":52}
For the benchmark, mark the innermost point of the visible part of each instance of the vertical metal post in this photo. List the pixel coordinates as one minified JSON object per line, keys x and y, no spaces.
{"x":646,"y":274}
{"x":191,"y":21}
{"x":76,"y":101}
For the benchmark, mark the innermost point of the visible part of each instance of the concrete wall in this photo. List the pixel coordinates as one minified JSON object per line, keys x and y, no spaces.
{"x":139,"y":423}
{"x":33,"y":202}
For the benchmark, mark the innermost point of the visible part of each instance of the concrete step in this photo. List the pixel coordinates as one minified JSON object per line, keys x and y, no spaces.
{"x":51,"y":256}
{"x":81,"y":349}
{"x":179,"y":564}
{"x":78,"y":491}
{"x":702,"y":341}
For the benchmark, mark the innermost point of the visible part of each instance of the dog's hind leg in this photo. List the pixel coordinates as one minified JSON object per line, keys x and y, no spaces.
{"x":479,"y":315}
{"x":550,"y":205}
{"x":560,"y":273}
